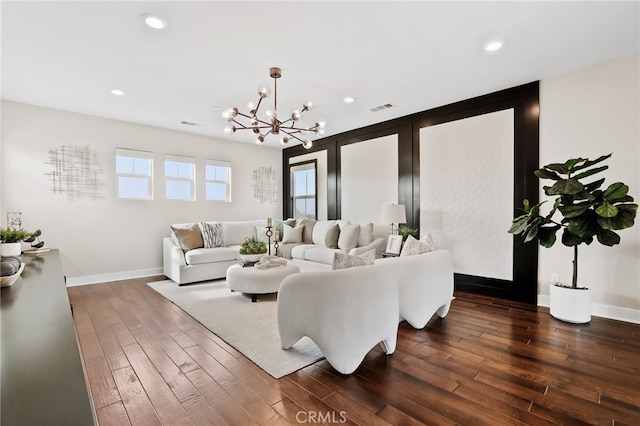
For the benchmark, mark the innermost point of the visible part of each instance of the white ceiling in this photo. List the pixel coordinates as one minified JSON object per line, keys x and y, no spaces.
{"x":214,"y":55}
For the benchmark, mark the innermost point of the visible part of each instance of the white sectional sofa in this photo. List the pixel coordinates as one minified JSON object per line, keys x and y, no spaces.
{"x":185,"y":262}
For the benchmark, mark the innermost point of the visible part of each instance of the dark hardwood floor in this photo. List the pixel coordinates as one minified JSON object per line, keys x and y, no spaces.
{"x":489,"y":362}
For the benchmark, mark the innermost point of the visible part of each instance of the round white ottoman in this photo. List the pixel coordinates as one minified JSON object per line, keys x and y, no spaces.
{"x":256,"y":281}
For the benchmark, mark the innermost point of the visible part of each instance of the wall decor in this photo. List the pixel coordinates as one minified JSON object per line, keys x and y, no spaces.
{"x":75,"y":173}
{"x":14,"y":220}
{"x":265,"y":186}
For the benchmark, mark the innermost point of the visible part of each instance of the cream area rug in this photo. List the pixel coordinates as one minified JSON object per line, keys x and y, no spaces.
{"x":251,"y":328}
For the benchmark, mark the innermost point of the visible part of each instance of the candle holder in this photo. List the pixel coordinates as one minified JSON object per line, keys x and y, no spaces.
{"x":269,"y":234}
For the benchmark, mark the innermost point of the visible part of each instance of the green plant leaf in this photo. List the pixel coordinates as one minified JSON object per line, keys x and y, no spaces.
{"x":532,"y":233}
{"x":574,"y":210}
{"x":571,"y":163}
{"x":590,"y":187}
{"x":566,"y":186}
{"x":623,"y":220}
{"x":526,"y":205}
{"x":588,"y":173}
{"x":606,"y":210}
{"x":584,"y":226}
{"x":608,"y":238}
{"x":625,"y":199}
{"x":547,"y":235}
{"x":557,"y":167}
{"x":518,"y":227}
{"x":590,"y":163}
{"x":615,"y":191}
{"x":569,"y":239}
{"x":546,"y":174}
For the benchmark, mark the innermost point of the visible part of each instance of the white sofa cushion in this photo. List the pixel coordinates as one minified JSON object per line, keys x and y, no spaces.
{"x":207,"y":255}
{"x":320,"y":254}
{"x":261,"y":234}
{"x":236,"y":232}
{"x":349,"y":235}
{"x":366,"y":235}
{"x":320,"y":231}
{"x":297,"y":252}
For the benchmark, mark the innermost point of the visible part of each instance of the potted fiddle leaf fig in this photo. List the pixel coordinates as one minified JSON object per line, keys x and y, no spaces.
{"x":589,"y":212}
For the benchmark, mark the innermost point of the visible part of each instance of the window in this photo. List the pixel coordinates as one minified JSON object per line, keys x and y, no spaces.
{"x":180,"y":173}
{"x":134,"y":170}
{"x":303,"y":190}
{"x":217,"y":180}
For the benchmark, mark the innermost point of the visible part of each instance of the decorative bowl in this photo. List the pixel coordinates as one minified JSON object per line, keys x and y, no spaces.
{"x":252,"y":257}
{"x":10,"y":279}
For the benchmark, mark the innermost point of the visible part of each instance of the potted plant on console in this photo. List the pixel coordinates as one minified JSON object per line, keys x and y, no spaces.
{"x":252,"y":249}
{"x":588,"y":212}
{"x":11,"y":241}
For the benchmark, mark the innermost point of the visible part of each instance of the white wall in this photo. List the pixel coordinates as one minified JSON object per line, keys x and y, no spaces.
{"x":466,"y":191}
{"x":589,"y":113}
{"x":369,"y":178}
{"x":109,"y":237}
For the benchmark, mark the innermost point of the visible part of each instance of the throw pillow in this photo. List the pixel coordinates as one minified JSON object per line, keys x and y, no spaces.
{"x":320,"y":231}
{"x":366,"y":235}
{"x":212,"y":234}
{"x":292,"y":235}
{"x":348,"y":238}
{"x":277,"y":225}
{"x":189,"y":236}
{"x":331,"y":237}
{"x":343,"y":261}
{"x":412,"y":247}
{"x":261,"y":234}
{"x":307,"y":234}
{"x":426,"y":238}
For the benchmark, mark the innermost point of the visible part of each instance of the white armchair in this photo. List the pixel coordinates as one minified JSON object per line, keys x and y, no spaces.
{"x":425,"y":284}
{"x":345,"y":312}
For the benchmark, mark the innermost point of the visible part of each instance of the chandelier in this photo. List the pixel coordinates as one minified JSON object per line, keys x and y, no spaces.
{"x":272,"y":124}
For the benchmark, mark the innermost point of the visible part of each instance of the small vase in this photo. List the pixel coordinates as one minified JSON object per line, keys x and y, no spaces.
{"x":570,"y":304}
{"x":11,"y":249}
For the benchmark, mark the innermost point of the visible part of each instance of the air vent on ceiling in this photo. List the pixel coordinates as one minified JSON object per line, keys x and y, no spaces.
{"x":381,"y":107}
{"x":188,"y":123}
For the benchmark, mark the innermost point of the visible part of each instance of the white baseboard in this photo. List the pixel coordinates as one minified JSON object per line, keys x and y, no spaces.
{"x":604,"y":311}
{"x":114,"y":276}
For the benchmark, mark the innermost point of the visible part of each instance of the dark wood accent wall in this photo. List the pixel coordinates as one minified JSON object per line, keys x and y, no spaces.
{"x":525,"y":103}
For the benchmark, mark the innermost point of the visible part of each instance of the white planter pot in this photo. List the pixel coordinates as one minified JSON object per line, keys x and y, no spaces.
{"x":11,"y":249}
{"x":252,"y":257}
{"x":569,"y":304}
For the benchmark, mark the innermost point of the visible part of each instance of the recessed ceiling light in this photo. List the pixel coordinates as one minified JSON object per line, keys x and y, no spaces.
{"x":349,"y":99}
{"x":494,"y":45}
{"x":117,"y":92}
{"x":154,"y":21}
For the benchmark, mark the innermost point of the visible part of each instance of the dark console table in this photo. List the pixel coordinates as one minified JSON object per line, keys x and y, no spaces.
{"x":43,"y":382}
